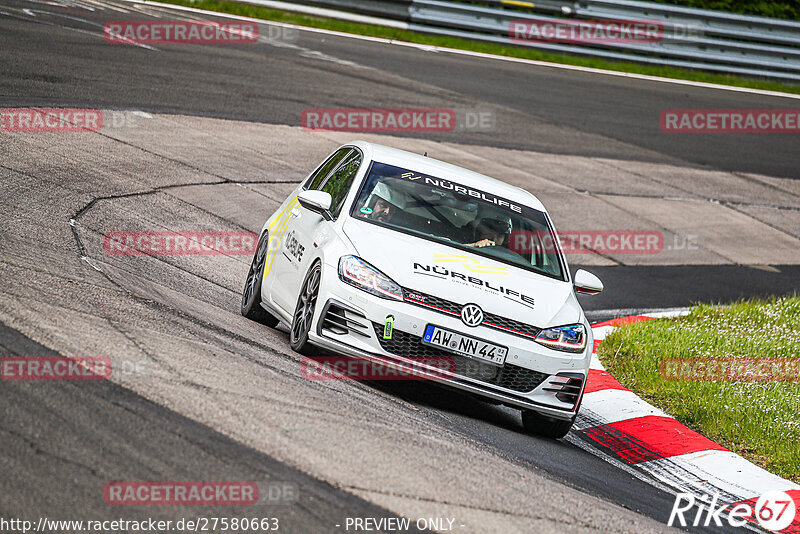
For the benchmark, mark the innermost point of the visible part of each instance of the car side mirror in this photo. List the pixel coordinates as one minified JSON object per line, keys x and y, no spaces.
{"x":586,"y":282}
{"x":316,"y":201}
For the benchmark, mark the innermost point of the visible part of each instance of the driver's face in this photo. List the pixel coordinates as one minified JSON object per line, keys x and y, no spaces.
{"x":382,"y":211}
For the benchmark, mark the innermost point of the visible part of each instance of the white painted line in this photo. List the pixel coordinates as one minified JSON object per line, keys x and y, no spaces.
{"x":107,"y":5}
{"x":601,"y":332}
{"x":428,"y":48}
{"x":627,"y":312}
{"x":92,"y":23}
{"x":667,"y":314}
{"x":727,"y":471}
{"x":595,"y":363}
{"x":615,"y":405}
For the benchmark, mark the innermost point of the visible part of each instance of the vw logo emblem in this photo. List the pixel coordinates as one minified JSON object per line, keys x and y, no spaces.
{"x":472,"y":315}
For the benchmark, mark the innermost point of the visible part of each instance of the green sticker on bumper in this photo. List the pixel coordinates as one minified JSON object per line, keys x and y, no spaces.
{"x":388,"y":327}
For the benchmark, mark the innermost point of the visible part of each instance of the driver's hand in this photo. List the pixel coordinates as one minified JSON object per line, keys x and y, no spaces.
{"x":482,"y":243}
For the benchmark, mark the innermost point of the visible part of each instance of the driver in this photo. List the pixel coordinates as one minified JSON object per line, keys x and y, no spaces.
{"x":491,"y":232}
{"x":378,"y":206}
{"x":383,"y":210}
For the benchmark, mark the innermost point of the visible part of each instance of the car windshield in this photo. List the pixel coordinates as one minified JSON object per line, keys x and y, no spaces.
{"x":439,"y":210}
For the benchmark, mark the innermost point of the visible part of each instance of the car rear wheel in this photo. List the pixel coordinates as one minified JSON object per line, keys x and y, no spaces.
{"x":545,"y":426}
{"x":251,"y":294}
{"x":304,"y":312}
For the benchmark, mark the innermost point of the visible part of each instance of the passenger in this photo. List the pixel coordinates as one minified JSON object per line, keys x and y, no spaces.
{"x":491,"y":232}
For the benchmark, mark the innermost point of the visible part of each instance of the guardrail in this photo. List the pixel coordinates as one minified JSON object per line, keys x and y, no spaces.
{"x":691,"y":38}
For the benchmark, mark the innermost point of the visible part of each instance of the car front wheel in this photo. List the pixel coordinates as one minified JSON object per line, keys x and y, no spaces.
{"x":304,"y":312}
{"x":545,"y":426}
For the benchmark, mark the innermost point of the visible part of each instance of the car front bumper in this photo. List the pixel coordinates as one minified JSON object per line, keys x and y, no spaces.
{"x":350,"y":321}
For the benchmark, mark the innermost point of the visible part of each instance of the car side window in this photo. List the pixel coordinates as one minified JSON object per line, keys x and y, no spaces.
{"x":316,"y":179}
{"x":339,"y":183}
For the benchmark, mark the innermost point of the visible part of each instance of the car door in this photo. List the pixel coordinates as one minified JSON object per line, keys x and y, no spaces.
{"x":307,"y":228}
{"x":278,"y":263}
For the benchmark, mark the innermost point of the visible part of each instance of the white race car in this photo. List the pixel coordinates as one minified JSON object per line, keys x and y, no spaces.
{"x":403,"y":260}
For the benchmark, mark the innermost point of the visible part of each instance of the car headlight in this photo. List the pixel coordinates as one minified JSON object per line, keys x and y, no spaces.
{"x":570,"y":338}
{"x":356,"y":272}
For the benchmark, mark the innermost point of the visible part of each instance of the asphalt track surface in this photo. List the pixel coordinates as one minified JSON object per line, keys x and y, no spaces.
{"x":558,"y":111}
{"x":75,"y":437}
{"x":58,"y":456}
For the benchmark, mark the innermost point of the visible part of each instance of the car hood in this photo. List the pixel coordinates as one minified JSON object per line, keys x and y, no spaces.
{"x":454,"y":274}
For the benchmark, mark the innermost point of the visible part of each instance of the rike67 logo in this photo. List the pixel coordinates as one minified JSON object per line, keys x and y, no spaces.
{"x":774,"y":510}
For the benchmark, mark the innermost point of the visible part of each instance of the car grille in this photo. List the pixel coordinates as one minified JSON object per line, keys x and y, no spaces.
{"x":508,"y":376}
{"x":490,"y":320}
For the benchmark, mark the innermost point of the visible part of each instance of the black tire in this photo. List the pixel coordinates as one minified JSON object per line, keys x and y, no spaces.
{"x":251,"y":294}
{"x":544,"y":426}
{"x":304,"y":311}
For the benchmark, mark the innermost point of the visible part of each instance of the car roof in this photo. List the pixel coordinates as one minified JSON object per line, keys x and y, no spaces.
{"x":440,"y":169}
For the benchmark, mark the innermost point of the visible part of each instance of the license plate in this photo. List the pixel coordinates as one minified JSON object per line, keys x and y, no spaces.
{"x":462,"y":345}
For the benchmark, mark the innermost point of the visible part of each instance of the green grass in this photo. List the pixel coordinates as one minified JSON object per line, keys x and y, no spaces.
{"x":785,"y":9}
{"x":759,"y":420}
{"x":258,"y":12}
